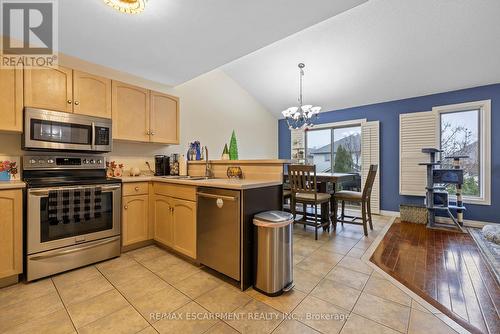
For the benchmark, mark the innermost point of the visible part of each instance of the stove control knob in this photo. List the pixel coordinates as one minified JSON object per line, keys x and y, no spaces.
{"x":41,"y":161}
{"x":85,"y":161}
{"x":32,"y":161}
{"x":50,"y":161}
{"x":92,"y":161}
{"x":99,"y":161}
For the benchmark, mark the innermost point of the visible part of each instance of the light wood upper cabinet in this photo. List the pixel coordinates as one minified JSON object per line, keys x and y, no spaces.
{"x":130,"y":110}
{"x":164,"y":118}
{"x":184,"y":226}
{"x":11,"y":233}
{"x":91,"y":94}
{"x":163,"y":220}
{"x":11,"y":100}
{"x":49,"y":88}
{"x":135,"y":219}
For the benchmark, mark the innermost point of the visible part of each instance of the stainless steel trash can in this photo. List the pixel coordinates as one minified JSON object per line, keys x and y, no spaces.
{"x":273,"y":252}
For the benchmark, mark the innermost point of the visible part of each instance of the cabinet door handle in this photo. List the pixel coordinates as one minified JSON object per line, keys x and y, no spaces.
{"x":148,"y":132}
{"x":152,"y":133}
{"x":77,"y":103}
{"x":69,"y":101}
{"x":125,"y":207}
{"x":136,"y":188}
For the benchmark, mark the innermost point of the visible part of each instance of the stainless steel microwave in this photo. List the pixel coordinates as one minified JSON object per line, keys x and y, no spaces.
{"x":56,"y":130}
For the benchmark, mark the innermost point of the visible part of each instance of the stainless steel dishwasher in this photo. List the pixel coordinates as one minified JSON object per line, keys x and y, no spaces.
{"x":218,"y":230}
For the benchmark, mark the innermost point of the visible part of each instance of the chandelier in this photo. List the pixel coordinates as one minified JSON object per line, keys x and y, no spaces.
{"x":127,"y":6}
{"x":301,"y":116}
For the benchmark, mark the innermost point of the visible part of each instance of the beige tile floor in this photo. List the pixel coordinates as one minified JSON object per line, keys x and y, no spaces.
{"x":152,"y":291}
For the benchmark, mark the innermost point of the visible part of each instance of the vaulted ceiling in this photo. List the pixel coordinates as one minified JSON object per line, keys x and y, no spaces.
{"x":173,"y":41}
{"x":379,"y":51}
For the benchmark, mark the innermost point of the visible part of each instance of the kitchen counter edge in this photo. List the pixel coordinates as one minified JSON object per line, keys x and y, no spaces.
{"x":7,"y":185}
{"x":215,"y":183}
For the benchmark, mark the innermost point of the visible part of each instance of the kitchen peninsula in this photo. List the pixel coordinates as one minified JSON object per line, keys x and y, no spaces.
{"x":167,"y":211}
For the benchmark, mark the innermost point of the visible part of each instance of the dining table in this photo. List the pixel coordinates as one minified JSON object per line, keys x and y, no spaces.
{"x":324,"y":179}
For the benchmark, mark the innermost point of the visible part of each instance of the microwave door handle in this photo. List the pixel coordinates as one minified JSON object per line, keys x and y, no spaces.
{"x":93,"y":137}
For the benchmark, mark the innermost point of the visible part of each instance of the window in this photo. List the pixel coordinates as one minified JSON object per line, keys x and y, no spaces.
{"x":464,"y":130}
{"x":346,"y":154}
{"x":318,"y":148}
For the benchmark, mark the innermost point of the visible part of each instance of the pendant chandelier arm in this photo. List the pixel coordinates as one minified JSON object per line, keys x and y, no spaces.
{"x":298,"y":117}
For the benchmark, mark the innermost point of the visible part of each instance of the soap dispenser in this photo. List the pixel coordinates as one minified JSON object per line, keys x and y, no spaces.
{"x":182,"y":166}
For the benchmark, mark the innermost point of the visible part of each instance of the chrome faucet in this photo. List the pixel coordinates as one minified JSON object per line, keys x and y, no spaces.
{"x":208,"y":167}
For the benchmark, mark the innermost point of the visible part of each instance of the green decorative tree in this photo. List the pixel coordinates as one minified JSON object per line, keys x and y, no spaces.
{"x":233,"y":147}
{"x":343,"y":161}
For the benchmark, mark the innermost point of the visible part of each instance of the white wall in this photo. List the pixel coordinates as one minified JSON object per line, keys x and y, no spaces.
{"x":212,"y":105}
{"x":10,"y":144}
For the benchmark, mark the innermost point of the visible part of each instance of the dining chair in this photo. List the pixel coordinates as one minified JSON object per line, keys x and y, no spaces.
{"x":304,"y":191}
{"x":358,"y":197}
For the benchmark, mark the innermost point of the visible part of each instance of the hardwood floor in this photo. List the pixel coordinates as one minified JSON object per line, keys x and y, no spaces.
{"x":446,"y":269}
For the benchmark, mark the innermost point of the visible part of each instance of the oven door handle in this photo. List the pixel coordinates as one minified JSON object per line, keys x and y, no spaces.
{"x":45,"y":192}
{"x":74,"y":250}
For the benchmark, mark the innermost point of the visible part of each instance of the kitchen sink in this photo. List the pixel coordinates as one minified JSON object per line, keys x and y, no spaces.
{"x":194,"y":178}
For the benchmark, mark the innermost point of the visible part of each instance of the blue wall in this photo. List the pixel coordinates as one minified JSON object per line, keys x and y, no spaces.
{"x":388,"y":115}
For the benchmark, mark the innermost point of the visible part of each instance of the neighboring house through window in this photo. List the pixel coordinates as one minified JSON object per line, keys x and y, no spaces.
{"x":346,"y":154}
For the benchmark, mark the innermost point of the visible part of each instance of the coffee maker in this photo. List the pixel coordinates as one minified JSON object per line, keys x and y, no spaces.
{"x":162,"y":165}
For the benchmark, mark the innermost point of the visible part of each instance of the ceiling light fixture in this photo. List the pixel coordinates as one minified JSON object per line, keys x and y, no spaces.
{"x":302,"y":116}
{"x":127,"y":6}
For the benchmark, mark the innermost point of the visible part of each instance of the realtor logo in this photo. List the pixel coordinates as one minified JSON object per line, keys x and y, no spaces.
{"x":29,"y":33}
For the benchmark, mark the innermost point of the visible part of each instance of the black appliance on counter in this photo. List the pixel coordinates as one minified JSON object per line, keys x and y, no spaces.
{"x":162,"y":165}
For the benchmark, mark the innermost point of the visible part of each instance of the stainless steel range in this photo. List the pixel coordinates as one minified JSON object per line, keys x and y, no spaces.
{"x":73,"y":213}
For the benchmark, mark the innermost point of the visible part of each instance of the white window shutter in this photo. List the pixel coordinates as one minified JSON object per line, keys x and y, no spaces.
{"x":298,"y":146}
{"x":370,"y":155}
{"x":416,"y":131}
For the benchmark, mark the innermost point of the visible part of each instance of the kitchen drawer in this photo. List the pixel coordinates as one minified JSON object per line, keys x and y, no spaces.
{"x":135,"y":188}
{"x":176,"y":190}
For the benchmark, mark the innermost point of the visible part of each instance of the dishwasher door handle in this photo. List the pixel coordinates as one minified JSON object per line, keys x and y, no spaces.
{"x":226,"y":198}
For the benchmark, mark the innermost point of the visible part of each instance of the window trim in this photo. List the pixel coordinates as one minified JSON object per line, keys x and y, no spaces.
{"x":331,"y":126}
{"x":484,"y":108}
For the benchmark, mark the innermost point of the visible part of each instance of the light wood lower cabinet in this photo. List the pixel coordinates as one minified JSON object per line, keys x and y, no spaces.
{"x":135,"y":219}
{"x":163,"y":220}
{"x":175,"y":224}
{"x":11,"y":233}
{"x":184,"y":226}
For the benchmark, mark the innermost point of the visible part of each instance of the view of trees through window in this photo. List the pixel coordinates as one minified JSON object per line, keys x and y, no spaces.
{"x":346,"y":154}
{"x":460,"y":137}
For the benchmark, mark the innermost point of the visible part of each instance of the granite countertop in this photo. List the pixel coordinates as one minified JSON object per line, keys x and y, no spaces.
{"x":239,"y":184}
{"x":16,"y":184}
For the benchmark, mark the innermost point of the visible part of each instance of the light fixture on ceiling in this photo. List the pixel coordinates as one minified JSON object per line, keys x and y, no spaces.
{"x":301,"y":116}
{"x":127,"y":6}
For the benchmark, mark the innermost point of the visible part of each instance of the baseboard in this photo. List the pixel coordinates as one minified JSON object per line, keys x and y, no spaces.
{"x":442,"y":220}
{"x":137,"y":245}
{"x":7,"y":281}
{"x":467,"y":222}
{"x":389,"y":213}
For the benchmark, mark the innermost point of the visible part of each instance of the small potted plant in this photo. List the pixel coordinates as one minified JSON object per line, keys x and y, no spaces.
{"x":8,"y":169}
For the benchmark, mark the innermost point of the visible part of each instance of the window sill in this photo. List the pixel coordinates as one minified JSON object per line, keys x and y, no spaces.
{"x":476,"y":201}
